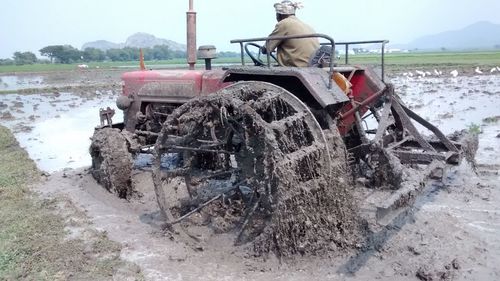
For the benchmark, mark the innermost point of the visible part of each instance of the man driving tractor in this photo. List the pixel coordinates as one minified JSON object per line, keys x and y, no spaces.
{"x":291,"y":52}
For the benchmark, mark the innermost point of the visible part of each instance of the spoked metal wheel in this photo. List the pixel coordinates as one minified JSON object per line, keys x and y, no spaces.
{"x":246,"y":154}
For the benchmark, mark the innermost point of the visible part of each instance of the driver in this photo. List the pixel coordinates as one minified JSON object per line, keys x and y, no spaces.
{"x":291,"y":52}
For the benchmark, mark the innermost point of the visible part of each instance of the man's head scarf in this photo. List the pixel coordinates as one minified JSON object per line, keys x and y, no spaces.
{"x":287,"y":7}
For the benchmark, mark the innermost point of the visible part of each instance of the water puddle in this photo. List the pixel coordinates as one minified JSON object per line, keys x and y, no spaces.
{"x":56,"y":130}
{"x":19,"y":82}
{"x":452,"y":103}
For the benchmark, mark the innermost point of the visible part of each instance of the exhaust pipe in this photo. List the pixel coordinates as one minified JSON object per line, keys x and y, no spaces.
{"x":191,"y":36}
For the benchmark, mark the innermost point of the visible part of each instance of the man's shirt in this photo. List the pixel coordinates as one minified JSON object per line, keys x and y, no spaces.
{"x":293,"y":52}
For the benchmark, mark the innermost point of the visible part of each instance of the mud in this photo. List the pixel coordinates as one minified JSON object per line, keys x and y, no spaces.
{"x":298,"y":181}
{"x":111,"y":161}
{"x":456,"y":220}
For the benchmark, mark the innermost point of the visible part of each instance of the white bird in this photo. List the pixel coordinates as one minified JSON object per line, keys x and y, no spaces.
{"x":494,"y":69}
{"x":478,"y":71}
{"x":420,"y":73}
{"x":438,"y":72}
{"x":498,"y":68}
{"x":428,"y":73}
{"x":454,"y":73}
{"x":410,"y":74}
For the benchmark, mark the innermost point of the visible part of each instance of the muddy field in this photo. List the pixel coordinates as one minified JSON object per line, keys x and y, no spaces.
{"x":453,"y":233}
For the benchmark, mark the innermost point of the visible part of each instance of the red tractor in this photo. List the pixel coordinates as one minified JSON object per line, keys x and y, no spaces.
{"x":270,"y":147}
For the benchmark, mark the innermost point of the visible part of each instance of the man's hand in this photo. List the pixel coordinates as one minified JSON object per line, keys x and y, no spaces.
{"x":263,"y":50}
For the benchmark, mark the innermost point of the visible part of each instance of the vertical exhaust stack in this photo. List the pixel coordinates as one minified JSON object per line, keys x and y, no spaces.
{"x":191,"y":36}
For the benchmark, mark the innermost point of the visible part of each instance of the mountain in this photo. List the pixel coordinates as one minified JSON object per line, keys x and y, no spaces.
{"x":103,"y":45}
{"x":144,"y":40}
{"x":480,"y":35}
{"x":137,"y":40}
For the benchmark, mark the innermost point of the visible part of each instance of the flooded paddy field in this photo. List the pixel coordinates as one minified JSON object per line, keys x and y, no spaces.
{"x":453,"y":235}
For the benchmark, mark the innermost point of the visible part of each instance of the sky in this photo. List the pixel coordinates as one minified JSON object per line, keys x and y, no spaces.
{"x":29,"y":25}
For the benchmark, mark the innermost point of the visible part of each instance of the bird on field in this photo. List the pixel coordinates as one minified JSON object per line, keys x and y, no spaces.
{"x":437,"y":72}
{"x":478,"y":71}
{"x":420,"y":73}
{"x":428,"y":73}
{"x":494,"y":69}
{"x":410,"y":74}
{"x":454,"y":73}
{"x":498,"y":68}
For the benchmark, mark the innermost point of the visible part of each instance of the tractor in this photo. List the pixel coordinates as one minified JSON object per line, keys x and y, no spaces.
{"x":280,"y":156}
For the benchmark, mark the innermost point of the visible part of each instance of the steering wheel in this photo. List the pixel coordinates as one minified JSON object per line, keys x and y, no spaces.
{"x":257,"y":61}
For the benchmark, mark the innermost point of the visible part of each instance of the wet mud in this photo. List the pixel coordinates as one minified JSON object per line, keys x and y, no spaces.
{"x":111,"y":161}
{"x":453,"y":232}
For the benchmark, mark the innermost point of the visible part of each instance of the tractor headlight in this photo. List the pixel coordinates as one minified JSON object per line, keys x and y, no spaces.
{"x":123,"y":102}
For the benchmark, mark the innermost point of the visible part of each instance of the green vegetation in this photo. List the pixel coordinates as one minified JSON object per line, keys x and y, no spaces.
{"x":179,"y":62}
{"x":474,"y":129}
{"x":21,"y":58}
{"x":394,"y":60}
{"x":67,"y":54}
{"x":435,"y":58}
{"x":33,"y":239}
{"x":493,"y":119}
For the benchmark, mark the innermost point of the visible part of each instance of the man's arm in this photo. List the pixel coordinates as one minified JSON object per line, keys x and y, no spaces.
{"x":279,"y":30}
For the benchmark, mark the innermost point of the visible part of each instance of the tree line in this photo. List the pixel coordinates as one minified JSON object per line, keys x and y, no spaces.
{"x":66,"y":54}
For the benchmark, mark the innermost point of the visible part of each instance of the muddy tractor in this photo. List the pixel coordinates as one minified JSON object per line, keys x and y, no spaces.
{"x":276,"y":155}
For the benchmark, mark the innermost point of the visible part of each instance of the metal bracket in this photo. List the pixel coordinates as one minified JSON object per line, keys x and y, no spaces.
{"x":105,"y":116}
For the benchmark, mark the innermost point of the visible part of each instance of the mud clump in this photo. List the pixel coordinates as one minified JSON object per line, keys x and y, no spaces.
{"x":111,"y":161}
{"x":7,"y":116}
{"x":445,"y":274}
{"x":470,"y":144}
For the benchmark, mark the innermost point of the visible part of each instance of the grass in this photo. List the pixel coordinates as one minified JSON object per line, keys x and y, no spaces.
{"x":492,"y":119}
{"x":33,"y":239}
{"x":474,"y":129}
{"x":436,"y":58}
{"x":106,"y":65}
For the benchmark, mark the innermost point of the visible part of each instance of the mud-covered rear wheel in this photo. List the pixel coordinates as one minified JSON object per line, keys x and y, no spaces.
{"x":254,"y":161}
{"x":111,"y":161}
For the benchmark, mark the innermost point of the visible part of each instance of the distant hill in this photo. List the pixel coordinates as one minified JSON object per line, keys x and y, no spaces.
{"x":103,"y":45}
{"x":480,"y":35}
{"x":137,"y":40}
{"x":144,"y":40}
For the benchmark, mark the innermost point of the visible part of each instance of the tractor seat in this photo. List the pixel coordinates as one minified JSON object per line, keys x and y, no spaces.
{"x":321,"y":57}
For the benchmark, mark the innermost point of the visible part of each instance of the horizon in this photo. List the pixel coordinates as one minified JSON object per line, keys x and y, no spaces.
{"x":86,"y":23}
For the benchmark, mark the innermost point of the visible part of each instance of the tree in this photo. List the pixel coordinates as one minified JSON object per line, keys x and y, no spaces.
{"x":117,"y":54}
{"x":93,"y":54}
{"x":6,"y":62}
{"x":228,"y":54}
{"x":132,"y":53}
{"x":161,"y":52}
{"x":69,"y":54}
{"x":61,"y":53}
{"x":51,"y":51}
{"x":21,"y":58}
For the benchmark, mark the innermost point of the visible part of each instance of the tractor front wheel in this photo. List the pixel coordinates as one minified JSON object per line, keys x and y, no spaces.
{"x":111,"y":161}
